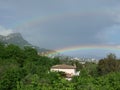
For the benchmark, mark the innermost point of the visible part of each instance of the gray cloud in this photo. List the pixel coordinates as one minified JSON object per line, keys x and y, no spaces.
{"x":62,"y":23}
{"x":68,"y":31}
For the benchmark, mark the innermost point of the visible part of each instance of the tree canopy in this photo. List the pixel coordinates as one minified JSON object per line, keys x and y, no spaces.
{"x":24,"y":69}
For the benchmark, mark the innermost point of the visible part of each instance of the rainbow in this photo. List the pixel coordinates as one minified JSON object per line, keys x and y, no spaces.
{"x":42,"y":19}
{"x":35,"y":20}
{"x":86,"y":47}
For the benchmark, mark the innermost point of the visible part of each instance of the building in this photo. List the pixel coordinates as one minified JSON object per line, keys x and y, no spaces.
{"x":69,"y":70}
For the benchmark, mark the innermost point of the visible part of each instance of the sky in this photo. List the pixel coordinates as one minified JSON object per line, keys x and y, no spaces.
{"x":57,"y":24}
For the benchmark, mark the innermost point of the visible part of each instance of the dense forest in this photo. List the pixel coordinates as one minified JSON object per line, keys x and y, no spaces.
{"x":24,"y":69}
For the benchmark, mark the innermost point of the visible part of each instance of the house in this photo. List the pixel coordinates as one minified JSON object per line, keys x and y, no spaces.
{"x":69,"y":70}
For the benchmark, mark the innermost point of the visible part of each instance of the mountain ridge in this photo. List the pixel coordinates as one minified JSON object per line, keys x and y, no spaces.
{"x":17,"y":39}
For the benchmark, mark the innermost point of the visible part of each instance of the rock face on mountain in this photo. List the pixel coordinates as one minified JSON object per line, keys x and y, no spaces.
{"x":17,"y":39}
{"x":14,"y":38}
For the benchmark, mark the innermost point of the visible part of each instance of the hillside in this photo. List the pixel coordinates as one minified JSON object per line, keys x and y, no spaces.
{"x":17,"y":39}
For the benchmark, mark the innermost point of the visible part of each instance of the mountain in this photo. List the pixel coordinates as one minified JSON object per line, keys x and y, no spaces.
{"x":17,"y":39}
{"x":14,"y":38}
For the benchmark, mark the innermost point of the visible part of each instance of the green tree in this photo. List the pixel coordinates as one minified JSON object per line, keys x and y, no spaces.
{"x":108,"y":64}
{"x":10,"y":77}
{"x":2,"y":51}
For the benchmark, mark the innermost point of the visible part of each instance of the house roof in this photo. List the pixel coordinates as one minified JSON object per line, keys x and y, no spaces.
{"x":63,"y":66}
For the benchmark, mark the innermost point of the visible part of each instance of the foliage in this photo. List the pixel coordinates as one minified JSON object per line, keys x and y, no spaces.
{"x":24,"y":69}
{"x":108,"y":64}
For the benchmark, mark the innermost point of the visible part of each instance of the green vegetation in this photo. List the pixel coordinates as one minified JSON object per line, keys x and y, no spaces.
{"x":24,"y":69}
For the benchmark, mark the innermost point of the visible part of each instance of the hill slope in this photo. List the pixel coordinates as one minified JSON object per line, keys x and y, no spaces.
{"x":17,"y":39}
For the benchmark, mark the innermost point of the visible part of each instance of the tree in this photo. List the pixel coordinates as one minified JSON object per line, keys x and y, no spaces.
{"x":10,"y":78}
{"x":111,"y":56}
{"x":2,"y":50}
{"x":108,"y":64}
{"x":29,"y":51}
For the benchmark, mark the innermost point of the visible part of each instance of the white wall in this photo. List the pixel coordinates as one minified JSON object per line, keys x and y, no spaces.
{"x":70,"y":71}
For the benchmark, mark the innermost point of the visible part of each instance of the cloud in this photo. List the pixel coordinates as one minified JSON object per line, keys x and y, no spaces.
{"x":93,"y":18}
{"x":110,"y":35}
{"x":4,"y":31}
{"x":80,"y":29}
{"x":86,"y":22}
